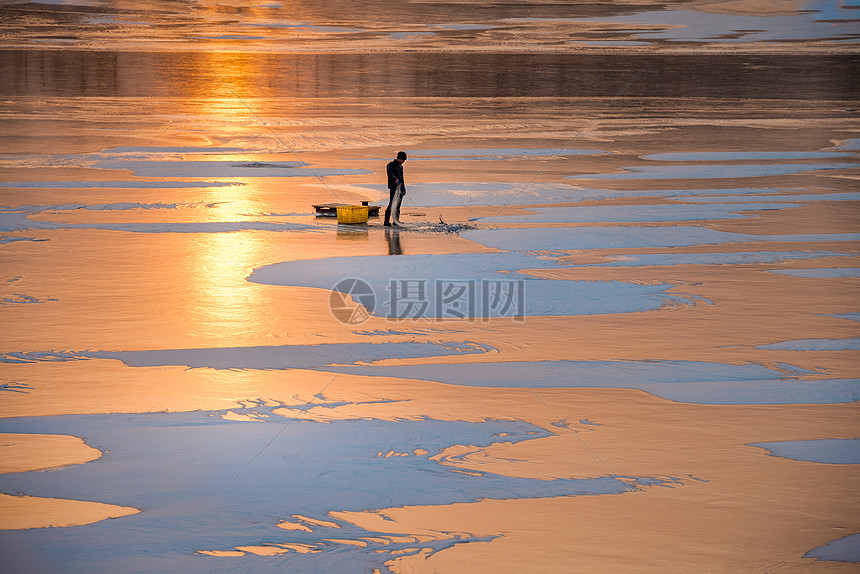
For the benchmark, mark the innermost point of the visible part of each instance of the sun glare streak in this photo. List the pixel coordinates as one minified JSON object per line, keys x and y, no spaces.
{"x":227,"y":304}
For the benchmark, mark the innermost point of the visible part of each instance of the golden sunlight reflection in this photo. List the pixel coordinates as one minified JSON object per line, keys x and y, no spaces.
{"x":226,"y":303}
{"x":228,"y":71}
{"x":226,"y":85}
{"x":235,"y":203}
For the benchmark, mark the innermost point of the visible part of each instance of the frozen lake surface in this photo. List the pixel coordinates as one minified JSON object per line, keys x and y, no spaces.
{"x":625,"y":287}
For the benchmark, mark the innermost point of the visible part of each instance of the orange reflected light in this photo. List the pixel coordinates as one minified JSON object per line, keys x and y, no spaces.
{"x":228,"y":305}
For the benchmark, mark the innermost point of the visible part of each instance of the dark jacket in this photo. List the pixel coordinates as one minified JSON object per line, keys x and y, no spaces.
{"x":395,"y":174}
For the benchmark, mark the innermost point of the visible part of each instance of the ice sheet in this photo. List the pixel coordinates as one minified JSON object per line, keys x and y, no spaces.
{"x":820,"y":272}
{"x":712,"y":171}
{"x":117,"y":184}
{"x":849,"y":344}
{"x":638,"y":213}
{"x":18,"y":219}
{"x":200,"y":487}
{"x":743,"y":155}
{"x":263,"y":357}
{"x":168,"y":168}
{"x":753,"y":198}
{"x":738,"y":257}
{"x":414,"y":286}
{"x":846,"y":549}
{"x":570,"y":238}
{"x":830,"y":450}
{"x":682,"y":381}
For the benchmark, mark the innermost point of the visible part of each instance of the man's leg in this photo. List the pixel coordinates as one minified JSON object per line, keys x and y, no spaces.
{"x":391,"y":194}
{"x":395,"y":210}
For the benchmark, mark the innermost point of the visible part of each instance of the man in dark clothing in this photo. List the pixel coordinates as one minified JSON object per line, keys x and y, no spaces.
{"x":396,"y":189}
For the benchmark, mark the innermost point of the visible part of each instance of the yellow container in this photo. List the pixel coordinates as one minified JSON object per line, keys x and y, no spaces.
{"x":352,"y":213}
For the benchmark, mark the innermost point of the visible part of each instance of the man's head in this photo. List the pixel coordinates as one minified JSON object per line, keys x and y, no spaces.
{"x":401,"y":156}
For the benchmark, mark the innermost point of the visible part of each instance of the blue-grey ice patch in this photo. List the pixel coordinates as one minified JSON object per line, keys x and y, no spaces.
{"x":169,"y":150}
{"x":21,"y":298}
{"x":613,"y":42}
{"x":421,"y":332}
{"x":116,"y":184}
{"x":712,"y":171}
{"x":731,"y":258}
{"x":583,"y":193}
{"x":619,"y":237}
{"x":469,"y":193}
{"x":173,"y":168}
{"x":415,"y":34}
{"x":848,"y":344}
{"x":449,"y":194}
{"x":829,"y":451}
{"x":819,"y":20}
{"x":849,"y":144}
{"x":15,"y":387}
{"x":463,"y":27}
{"x":820,"y":272}
{"x":200,"y":487}
{"x":228,"y":37}
{"x":304,"y":26}
{"x":6,"y":240}
{"x":849,"y":316}
{"x":123,"y":206}
{"x":262,"y":357}
{"x":467,"y":285}
{"x":502,"y":153}
{"x":682,"y":381}
{"x":636,"y":213}
{"x":743,"y":155}
{"x":18,"y":219}
{"x":850,"y":196}
{"x":845,"y":549}
{"x":19,"y":222}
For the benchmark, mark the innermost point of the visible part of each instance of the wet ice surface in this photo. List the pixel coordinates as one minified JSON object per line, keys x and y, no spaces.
{"x":849,"y":316}
{"x":717,"y":171}
{"x":116,"y":184}
{"x":772,"y":198}
{"x":183,"y":471}
{"x":503,"y":153}
{"x":829,"y":451}
{"x":610,"y":237}
{"x":268,"y":357}
{"x":738,"y":257}
{"x":18,"y":219}
{"x":524,"y":193}
{"x":744,"y":155}
{"x":467,"y":193}
{"x":821,"y":272}
{"x":681,"y":381}
{"x":851,"y":344}
{"x":166,"y":168}
{"x":832,"y":19}
{"x":609,"y":24}
{"x":638,"y":213}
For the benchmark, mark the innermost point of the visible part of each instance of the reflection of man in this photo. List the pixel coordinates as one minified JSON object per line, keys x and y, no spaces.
{"x":393,"y":238}
{"x":396,"y":189}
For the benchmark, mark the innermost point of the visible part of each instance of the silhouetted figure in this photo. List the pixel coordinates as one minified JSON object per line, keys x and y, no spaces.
{"x":396,"y":189}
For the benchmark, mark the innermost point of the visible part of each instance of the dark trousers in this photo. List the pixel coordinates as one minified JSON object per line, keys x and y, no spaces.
{"x":392,"y":196}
